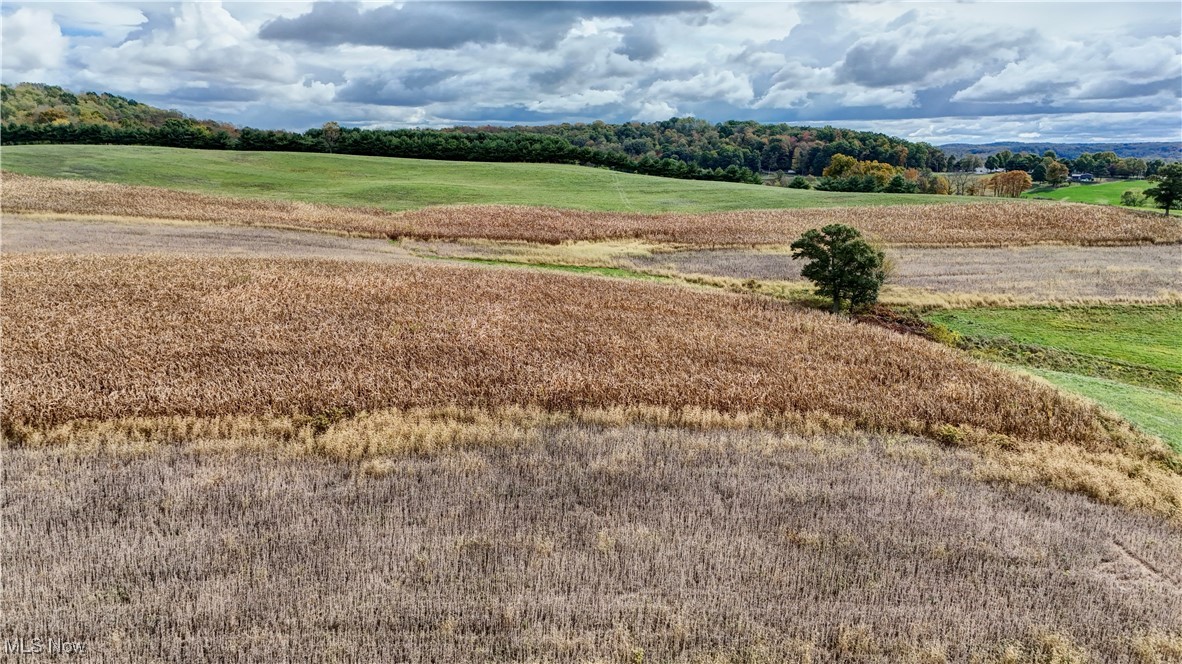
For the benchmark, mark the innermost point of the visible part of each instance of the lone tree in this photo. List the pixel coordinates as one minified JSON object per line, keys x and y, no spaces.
{"x":1168,"y":190}
{"x":330,"y":133}
{"x":841,"y":264}
{"x":1056,"y":173}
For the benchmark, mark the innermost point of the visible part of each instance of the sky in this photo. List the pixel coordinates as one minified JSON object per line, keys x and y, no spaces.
{"x":940,"y":72}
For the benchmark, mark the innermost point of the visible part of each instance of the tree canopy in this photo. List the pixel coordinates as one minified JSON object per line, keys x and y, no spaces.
{"x":1167,"y":192}
{"x":843,"y":266}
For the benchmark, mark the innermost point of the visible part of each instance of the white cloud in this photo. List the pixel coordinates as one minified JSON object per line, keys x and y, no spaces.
{"x":1065,"y":127}
{"x":33,"y":42}
{"x":652,"y":111}
{"x":889,"y":65}
{"x":112,"y":21}
{"x":706,"y":86}
{"x":577,"y":102}
{"x":1063,"y":71}
{"x":193,"y":44}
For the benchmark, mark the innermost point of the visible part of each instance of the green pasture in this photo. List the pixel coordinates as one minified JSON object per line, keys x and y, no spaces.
{"x":1127,"y":358}
{"x":1100,"y":193}
{"x":403,"y":184}
{"x":1157,"y":412}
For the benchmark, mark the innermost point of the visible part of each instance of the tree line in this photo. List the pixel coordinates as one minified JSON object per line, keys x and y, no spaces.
{"x":409,"y":143}
{"x":679,"y":148}
{"x":758,"y":147}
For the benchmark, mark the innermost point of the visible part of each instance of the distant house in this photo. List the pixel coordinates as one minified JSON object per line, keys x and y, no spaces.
{"x":1082,"y":177}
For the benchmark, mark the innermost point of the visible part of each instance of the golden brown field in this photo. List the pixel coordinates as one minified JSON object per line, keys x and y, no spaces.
{"x":971,"y":225}
{"x":297,"y":347}
{"x":979,"y":224}
{"x":103,"y":337}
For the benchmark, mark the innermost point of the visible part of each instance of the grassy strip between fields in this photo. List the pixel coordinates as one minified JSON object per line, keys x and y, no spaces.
{"x":1127,"y":358}
{"x":796,"y":292}
{"x":1155,"y":411}
{"x":617,"y":272}
{"x":1137,"y":335}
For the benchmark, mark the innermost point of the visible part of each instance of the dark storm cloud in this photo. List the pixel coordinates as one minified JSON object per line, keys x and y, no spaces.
{"x":444,"y":25}
{"x":640,"y":44}
{"x":1123,"y":89}
{"x":888,"y":62}
{"x":414,"y":88}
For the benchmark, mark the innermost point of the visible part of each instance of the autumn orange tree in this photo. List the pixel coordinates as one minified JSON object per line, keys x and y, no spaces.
{"x":1010,"y":183}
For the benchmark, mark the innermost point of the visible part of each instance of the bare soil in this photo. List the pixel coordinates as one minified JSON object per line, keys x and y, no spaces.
{"x":60,"y":234}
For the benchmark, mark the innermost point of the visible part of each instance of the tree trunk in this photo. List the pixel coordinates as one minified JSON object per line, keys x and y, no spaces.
{"x":836,"y":303}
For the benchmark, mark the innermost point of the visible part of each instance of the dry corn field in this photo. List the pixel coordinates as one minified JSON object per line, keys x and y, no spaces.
{"x":971,"y":225}
{"x":110,"y":338}
{"x":977,"y":224}
{"x":105,"y":337}
{"x":248,"y":459}
{"x":588,"y":544}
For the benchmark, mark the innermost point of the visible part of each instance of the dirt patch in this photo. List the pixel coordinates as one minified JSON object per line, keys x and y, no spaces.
{"x":90,"y":236}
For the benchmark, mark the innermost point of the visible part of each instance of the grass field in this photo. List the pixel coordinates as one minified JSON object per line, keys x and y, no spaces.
{"x":1116,"y":355}
{"x":1146,"y":336}
{"x":1101,"y":193}
{"x":1158,"y":412}
{"x":406,"y":184}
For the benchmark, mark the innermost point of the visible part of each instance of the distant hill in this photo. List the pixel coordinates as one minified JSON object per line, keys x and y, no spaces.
{"x":39,"y":104}
{"x":1167,"y":150}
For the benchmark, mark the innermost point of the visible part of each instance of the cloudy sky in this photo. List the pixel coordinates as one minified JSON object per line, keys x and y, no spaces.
{"x":934,"y":71}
